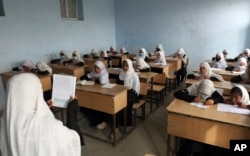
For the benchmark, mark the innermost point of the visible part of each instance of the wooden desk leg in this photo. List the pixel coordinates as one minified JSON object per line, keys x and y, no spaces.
{"x":168,"y":144}
{"x":125,"y":121}
{"x":151,"y":100}
{"x":114,"y":126}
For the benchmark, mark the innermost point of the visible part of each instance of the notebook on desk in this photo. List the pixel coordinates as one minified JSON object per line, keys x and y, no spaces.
{"x":85,"y":82}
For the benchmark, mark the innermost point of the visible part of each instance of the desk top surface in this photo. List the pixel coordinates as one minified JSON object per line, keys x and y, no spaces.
{"x":145,"y":75}
{"x":184,"y":108}
{"x":69,"y":66}
{"x":157,"y":65}
{"x":97,"y":88}
{"x":11,"y":73}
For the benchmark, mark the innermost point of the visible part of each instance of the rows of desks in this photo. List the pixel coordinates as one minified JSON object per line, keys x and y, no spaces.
{"x":207,"y":126}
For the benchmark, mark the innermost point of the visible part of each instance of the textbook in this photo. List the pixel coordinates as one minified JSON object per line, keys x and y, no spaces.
{"x":63,"y":87}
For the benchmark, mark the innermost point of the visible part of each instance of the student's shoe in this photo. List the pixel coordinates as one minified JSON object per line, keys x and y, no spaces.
{"x":102,"y":125}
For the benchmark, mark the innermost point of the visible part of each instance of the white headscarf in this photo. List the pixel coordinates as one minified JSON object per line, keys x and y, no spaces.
{"x":43,"y":67}
{"x":160,"y":47}
{"x":28,"y":126}
{"x":29,"y":63}
{"x":245,"y":95}
{"x":239,"y":68}
{"x":66,"y":56}
{"x":247,"y":52}
{"x":180,"y":52}
{"x":162,"y":59}
{"x":130,"y":78}
{"x":246,"y":75}
{"x":140,"y":62}
{"x":104,"y":52}
{"x":103,"y":76}
{"x":209,"y":72}
{"x":145,"y":53}
{"x":203,"y":89}
{"x":222,"y":64}
{"x":78,"y":56}
{"x":123,"y":49}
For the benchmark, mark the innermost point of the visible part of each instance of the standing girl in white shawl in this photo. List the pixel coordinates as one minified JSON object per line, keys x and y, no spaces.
{"x":239,"y":96}
{"x":130,"y":79}
{"x":219,"y":61}
{"x":202,"y":91}
{"x":28,"y":126}
{"x":205,"y":73}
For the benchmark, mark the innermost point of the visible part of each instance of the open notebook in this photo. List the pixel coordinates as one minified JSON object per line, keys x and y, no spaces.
{"x":232,"y":109}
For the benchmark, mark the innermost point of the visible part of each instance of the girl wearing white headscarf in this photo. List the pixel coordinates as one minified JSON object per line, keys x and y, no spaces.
{"x":103,"y":54}
{"x":141,"y":65}
{"x":241,"y":65}
{"x":202,"y":91}
{"x":28,"y":126}
{"x":239,"y":96}
{"x":243,"y":78}
{"x":43,"y":68}
{"x":130,"y":79}
{"x":181,"y":73}
{"x":143,"y":53}
{"x":27,"y":66}
{"x":245,"y":54}
{"x":219,"y":61}
{"x":76,"y":59}
{"x":161,"y":58}
{"x":100,"y":73}
{"x":206,"y":73}
{"x":123,"y":51}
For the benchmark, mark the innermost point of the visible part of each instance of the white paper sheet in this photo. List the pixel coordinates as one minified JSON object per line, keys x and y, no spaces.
{"x":85,"y":82}
{"x":63,"y":88}
{"x":232,"y":109}
{"x":109,"y":85}
{"x":200,"y":105}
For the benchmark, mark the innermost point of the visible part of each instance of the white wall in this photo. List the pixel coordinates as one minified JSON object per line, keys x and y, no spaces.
{"x":33,"y":29}
{"x":201,"y":27}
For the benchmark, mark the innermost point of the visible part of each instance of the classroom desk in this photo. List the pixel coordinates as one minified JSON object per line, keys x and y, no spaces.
{"x":117,"y":59}
{"x":142,"y":76}
{"x":227,"y":75}
{"x":205,"y":125}
{"x":77,"y":71}
{"x":176,"y":63}
{"x":45,"y":79}
{"x":91,"y":61}
{"x":107,"y":100}
{"x":160,"y":68}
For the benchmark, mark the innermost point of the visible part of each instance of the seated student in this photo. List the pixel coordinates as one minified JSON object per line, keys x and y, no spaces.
{"x":141,"y":65}
{"x":93,"y":53}
{"x":243,"y":78}
{"x":245,"y":53}
{"x":43,"y":68}
{"x":64,"y":58}
{"x":202,"y":91}
{"x":27,"y":66}
{"x":130,"y":79}
{"x":76,"y":59}
{"x":143,"y":53}
{"x":99,"y":74}
{"x":112,"y":51}
{"x":205,"y":73}
{"x":29,"y":128}
{"x":160,"y":58}
{"x":240,"y":66}
{"x":123,"y":51}
{"x":239,"y":96}
{"x":103,"y":54}
{"x":181,"y":73}
{"x":219,"y":61}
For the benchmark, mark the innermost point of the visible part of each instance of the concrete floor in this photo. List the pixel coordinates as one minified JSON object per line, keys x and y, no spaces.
{"x":149,"y":137}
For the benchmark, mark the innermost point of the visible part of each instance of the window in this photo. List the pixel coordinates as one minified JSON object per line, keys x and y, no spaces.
{"x":1,"y":8}
{"x":71,"y":9}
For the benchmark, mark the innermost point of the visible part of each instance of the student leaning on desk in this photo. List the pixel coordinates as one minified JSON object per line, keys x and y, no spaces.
{"x":27,"y":66}
{"x":205,"y":73}
{"x":63,"y":58}
{"x":202,"y":91}
{"x":29,"y":128}
{"x":239,"y":96}
{"x":243,"y":78}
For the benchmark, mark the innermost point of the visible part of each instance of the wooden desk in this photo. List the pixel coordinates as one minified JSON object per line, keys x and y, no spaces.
{"x":90,"y":63}
{"x":118,"y":59}
{"x":176,"y":63}
{"x":227,"y":75}
{"x":77,"y":71}
{"x":160,"y":68}
{"x":45,"y":79}
{"x":107,"y":100}
{"x":207,"y":126}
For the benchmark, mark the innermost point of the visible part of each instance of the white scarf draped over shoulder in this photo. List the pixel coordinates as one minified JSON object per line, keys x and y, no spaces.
{"x":221,"y":64}
{"x":28,"y":126}
{"x":43,"y":67}
{"x":130,"y":78}
{"x":209,"y":72}
{"x":140,"y":62}
{"x":205,"y":87}
{"x":162,"y":59}
{"x":103,"y":76}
